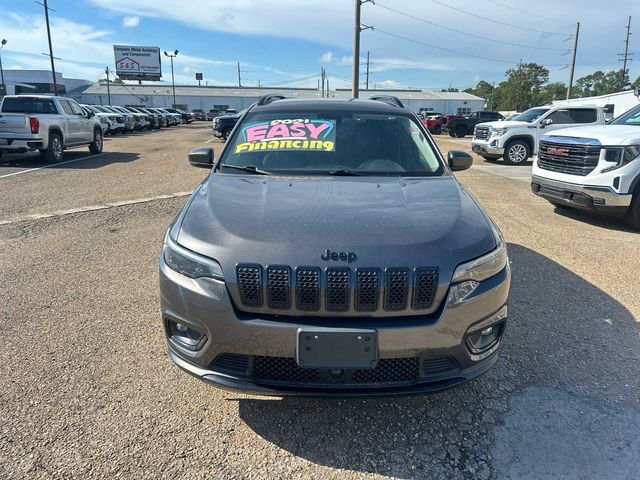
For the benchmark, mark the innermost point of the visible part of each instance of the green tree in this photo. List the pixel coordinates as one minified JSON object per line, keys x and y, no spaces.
{"x":552,"y":91}
{"x":636,"y":84}
{"x":523,"y":87}
{"x":601,"y":83}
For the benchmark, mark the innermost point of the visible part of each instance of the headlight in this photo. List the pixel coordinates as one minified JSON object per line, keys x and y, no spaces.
{"x":189,"y":263}
{"x":620,"y":156}
{"x":484,"y":267}
{"x":498,"y":132}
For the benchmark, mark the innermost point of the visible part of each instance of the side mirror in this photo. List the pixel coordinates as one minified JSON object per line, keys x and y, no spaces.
{"x":545,"y":122}
{"x":201,"y":157}
{"x":459,"y":160}
{"x":90,"y":114}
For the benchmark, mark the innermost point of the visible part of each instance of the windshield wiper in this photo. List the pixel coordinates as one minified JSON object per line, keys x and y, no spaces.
{"x":343,"y":172}
{"x":245,"y":168}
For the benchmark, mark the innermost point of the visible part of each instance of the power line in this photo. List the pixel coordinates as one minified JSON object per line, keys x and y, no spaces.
{"x":444,"y":49}
{"x":504,"y":5}
{"x":488,"y":19}
{"x":466,"y":33}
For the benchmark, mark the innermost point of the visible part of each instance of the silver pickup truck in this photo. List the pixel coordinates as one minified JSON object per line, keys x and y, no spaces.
{"x":47,"y":124}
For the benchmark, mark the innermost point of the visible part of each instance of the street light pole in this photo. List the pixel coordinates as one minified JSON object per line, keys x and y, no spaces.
{"x":106,"y":70}
{"x":173,"y":82}
{"x":4,"y":87}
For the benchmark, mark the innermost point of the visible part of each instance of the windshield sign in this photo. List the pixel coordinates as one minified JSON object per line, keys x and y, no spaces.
{"x":289,"y":134}
{"x":331,"y":143}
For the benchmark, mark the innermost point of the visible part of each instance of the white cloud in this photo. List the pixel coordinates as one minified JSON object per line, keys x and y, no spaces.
{"x":326,"y":57}
{"x":130,"y":22}
{"x":345,"y":61}
{"x":388,"y":84}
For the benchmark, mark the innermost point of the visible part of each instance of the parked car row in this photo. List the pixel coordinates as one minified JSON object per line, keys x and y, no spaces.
{"x":121,"y":119}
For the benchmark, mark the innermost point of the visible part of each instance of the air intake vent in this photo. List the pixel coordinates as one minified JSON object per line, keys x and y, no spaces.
{"x":278,"y":282}
{"x":367,"y":285}
{"x":232,"y":363}
{"x":438,"y":365}
{"x":337,"y":289}
{"x":250,"y":284}
{"x":308,"y":288}
{"x":396,"y":288}
{"x":425,"y":287}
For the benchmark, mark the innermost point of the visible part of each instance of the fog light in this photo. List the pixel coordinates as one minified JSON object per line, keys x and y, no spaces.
{"x":185,"y":335}
{"x":487,"y":331}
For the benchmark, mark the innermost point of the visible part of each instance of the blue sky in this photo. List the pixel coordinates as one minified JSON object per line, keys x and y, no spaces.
{"x":280,"y":41}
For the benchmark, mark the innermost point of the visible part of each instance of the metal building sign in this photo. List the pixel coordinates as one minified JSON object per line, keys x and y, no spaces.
{"x":137,"y":63}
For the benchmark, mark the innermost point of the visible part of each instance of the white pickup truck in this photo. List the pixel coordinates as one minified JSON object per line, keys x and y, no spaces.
{"x":47,"y":124}
{"x":515,"y":141}
{"x":593,"y":168}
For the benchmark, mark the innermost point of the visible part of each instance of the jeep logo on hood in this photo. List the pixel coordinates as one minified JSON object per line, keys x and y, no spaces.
{"x":338,"y":256}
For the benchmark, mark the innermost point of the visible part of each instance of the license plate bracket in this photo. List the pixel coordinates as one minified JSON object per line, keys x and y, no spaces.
{"x":336,"y":348}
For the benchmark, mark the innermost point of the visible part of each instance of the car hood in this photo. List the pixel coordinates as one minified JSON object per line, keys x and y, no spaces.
{"x":293,"y":220}
{"x":605,"y":134}
{"x":505,"y":124}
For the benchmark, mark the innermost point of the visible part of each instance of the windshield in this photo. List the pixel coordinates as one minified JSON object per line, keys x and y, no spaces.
{"x":530,"y":115}
{"x":308,"y":143}
{"x":630,"y":117}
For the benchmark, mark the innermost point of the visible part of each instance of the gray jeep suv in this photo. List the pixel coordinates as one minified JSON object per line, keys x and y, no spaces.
{"x":332,"y":252}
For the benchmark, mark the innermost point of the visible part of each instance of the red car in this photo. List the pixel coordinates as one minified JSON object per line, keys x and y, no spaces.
{"x":434,"y":124}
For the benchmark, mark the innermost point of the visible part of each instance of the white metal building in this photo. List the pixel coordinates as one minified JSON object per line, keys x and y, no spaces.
{"x":219,"y":97}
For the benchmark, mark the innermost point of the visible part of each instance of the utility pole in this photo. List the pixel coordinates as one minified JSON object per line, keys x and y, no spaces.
{"x":328,"y":88}
{"x":239,"y":78}
{"x":356,"y":51}
{"x":493,"y":89}
{"x":51,"y":57}
{"x":106,"y":70}
{"x":573,"y":61}
{"x":367,"y":76}
{"x":322,"y":77}
{"x":625,"y":56}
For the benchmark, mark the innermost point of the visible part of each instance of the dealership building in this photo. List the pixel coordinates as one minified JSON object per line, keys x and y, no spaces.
{"x":24,"y":82}
{"x":223,"y":97}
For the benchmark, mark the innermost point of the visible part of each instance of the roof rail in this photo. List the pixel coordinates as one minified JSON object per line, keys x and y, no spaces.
{"x":390,"y":99}
{"x":270,"y":97}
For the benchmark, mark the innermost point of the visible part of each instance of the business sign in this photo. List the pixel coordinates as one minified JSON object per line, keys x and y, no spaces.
{"x":198,"y":76}
{"x":137,"y":63}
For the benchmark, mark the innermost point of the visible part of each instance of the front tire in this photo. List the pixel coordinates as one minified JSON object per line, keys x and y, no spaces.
{"x":633,"y":214}
{"x":516,"y":152}
{"x":437,"y":130}
{"x":54,"y":152}
{"x":97,"y":144}
{"x":461,"y":131}
{"x":225,"y":134}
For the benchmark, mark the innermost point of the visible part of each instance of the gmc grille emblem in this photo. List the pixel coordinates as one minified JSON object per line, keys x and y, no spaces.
{"x":561,"y":152}
{"x":338,"y":256}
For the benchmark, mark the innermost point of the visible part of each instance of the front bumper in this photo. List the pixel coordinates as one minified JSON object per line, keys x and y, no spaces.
{"x":585,"y":197}
{"x":487,"y":148}
{"x":439,"y":340}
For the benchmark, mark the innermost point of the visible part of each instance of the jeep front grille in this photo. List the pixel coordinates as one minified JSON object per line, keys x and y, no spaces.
{"x":573,"y":159}
{"x":336,"y":289}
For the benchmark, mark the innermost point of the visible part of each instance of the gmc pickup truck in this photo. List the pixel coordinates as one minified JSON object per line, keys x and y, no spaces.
{"x":595,"y":168}
{"x":515,"y":141}
{"x":47,"y":124}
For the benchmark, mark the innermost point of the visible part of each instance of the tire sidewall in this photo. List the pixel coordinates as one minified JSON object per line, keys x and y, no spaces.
{"x":508,"y":148}
{"x":49,"y":154}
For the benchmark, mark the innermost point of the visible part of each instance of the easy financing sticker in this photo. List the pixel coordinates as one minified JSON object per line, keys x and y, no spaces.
{"x":289,"y":134}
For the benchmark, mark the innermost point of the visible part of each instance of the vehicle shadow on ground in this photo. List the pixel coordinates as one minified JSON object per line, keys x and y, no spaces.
{"x":564,"y":334}
{"x":596,"y":219}
{"x":35,"y":160}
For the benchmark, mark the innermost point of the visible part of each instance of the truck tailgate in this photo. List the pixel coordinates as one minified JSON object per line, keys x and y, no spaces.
{"x":14,"y":123}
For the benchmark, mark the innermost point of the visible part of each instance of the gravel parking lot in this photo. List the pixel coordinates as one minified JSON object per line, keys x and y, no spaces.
{"x":87,"y":389}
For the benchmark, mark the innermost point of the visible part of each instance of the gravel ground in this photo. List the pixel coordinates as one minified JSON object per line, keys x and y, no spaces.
{"x":87,"y":389}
